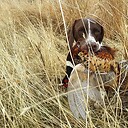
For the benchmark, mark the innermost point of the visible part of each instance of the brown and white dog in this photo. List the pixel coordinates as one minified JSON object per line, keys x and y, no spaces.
{"x":84,"y":85}
{"x":85,"y":34}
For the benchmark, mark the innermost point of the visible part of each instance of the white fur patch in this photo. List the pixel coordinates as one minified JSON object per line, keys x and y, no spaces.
{"x":68,"y":63}
{"x":90,"y":39}
{"x":100,"y":44}
{"x":89,"y":30}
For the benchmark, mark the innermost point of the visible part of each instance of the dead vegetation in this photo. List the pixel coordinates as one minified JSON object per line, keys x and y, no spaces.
{"x":32,"y":60}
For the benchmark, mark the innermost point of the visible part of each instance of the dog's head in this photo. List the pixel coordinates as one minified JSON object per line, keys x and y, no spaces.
{"x":87,"y":34}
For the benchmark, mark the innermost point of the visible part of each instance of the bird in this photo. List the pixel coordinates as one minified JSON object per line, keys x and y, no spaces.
{"x":91,"y":79}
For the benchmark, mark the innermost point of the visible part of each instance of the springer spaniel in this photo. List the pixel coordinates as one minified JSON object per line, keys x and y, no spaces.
{"x":87,"y":34}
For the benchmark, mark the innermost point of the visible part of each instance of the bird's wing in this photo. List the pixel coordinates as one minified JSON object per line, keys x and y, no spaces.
{"x":79,"y":90}
{"x":76,"y":103}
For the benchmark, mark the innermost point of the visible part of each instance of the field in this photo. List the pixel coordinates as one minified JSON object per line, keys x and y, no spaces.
{"x":33,"y":51}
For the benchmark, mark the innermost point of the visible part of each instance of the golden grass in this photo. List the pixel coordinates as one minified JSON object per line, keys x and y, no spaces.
{"x":33,"y":50}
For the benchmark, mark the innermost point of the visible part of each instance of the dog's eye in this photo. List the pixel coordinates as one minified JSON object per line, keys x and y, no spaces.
{"x":96,"y":32}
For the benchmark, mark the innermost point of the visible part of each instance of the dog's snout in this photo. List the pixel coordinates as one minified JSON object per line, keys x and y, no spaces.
{"x":90,"y":41}
{"x":94,"y":46}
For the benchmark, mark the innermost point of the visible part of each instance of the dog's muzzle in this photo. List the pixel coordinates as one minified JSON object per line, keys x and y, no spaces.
{"x":91,"y":44}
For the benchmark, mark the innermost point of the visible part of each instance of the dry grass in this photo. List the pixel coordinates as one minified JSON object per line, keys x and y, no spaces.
{"x":32,"y":60}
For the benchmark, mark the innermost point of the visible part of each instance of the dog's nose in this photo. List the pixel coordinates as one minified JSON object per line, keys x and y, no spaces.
{"x":93,"y":45}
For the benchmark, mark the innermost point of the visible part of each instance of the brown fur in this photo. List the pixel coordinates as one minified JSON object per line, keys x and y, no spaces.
{"x":80,"y":27}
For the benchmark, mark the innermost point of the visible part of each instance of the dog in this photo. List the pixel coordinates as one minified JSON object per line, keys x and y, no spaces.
{"x":85,"y":34}
{"x":84,"y":85}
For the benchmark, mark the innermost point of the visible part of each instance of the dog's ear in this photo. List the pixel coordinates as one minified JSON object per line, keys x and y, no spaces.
{"x":102,"y":34}
{"x":70,"y":37}
{"x":73,"y":33}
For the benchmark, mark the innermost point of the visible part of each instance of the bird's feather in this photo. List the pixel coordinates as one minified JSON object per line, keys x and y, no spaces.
{"x":78,"y":91}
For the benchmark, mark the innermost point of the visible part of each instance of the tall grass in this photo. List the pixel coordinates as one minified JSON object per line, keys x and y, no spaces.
{"x":33,"y":50}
